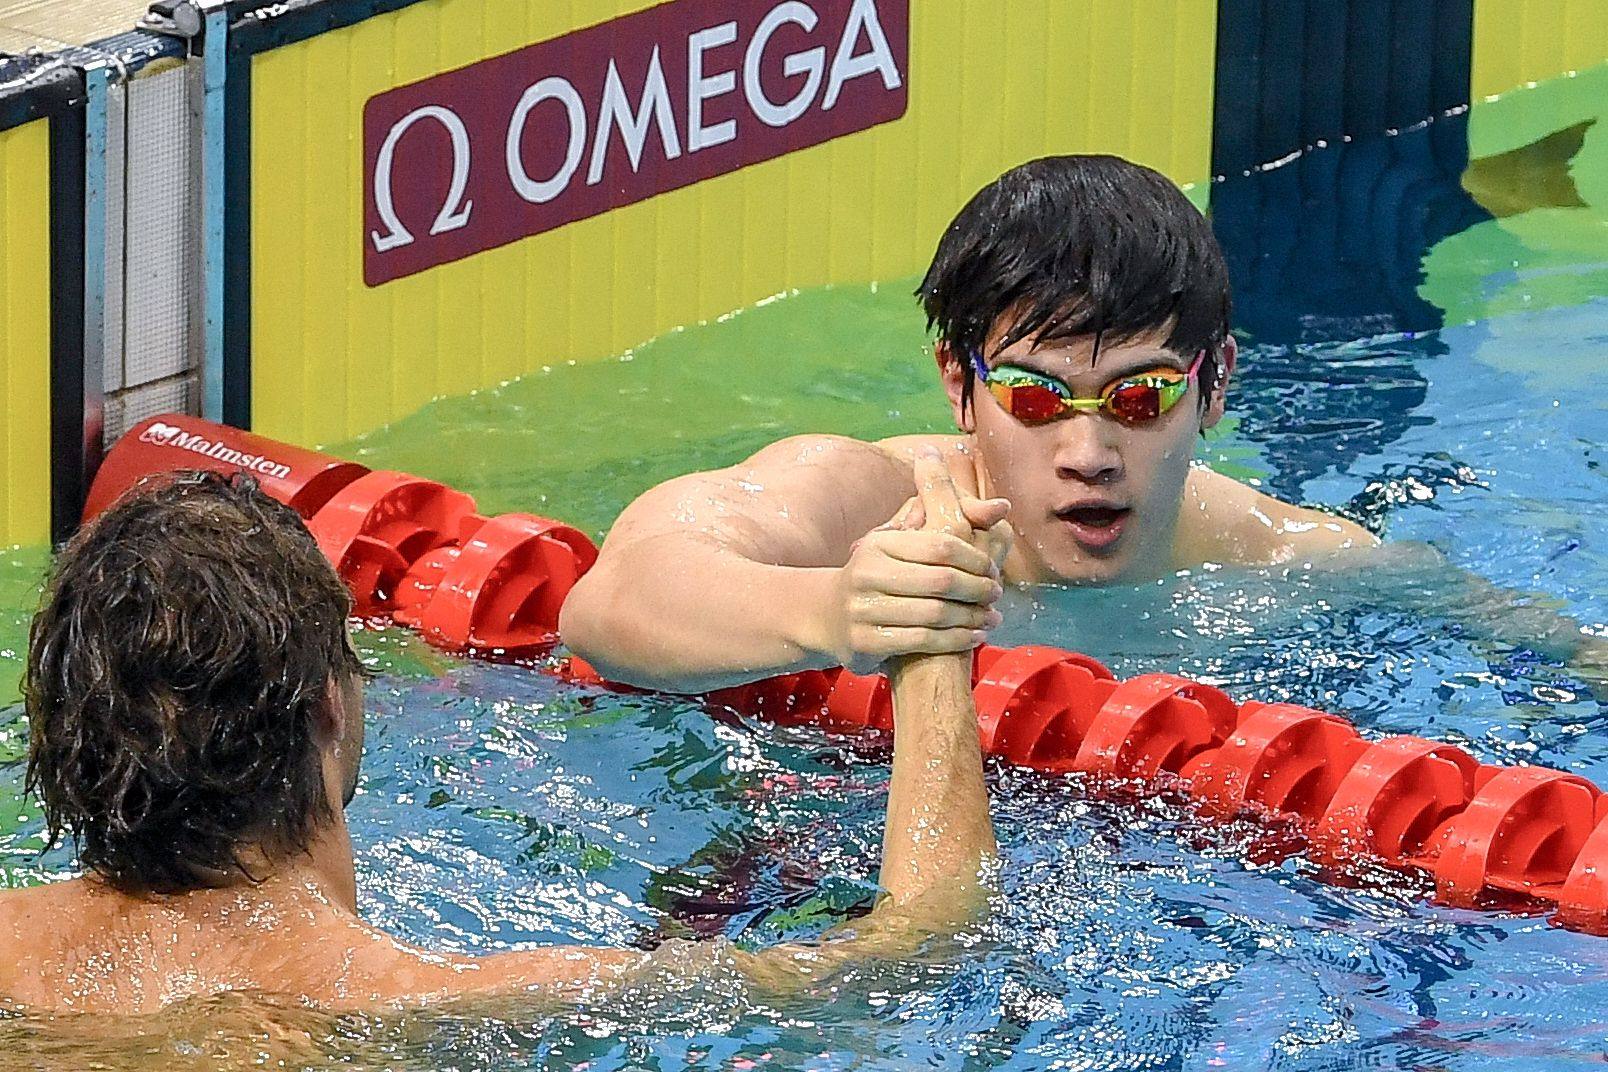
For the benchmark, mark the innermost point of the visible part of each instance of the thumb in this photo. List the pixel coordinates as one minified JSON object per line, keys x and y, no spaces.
{"x":997,"y":541}
{"x":909,"y":516}
{"x":985,"y":513}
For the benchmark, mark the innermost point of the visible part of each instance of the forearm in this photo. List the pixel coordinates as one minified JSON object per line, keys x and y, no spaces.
{"x":1538,"y":623}
{"x":938,"y":833}
{"x":937,"y":842}
{"x":1520,"y":619}
{"x":1426,"y":582}
{"x":682,"y":615}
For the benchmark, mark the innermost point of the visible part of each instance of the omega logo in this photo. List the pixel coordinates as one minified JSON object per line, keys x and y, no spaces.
{"x":615,"y":113}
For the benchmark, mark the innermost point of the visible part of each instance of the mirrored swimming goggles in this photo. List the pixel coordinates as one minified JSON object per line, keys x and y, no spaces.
{"x":1034,"y":398}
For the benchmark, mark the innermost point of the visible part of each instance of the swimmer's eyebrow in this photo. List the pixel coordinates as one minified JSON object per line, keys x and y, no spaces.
{"x":1107,"y":373}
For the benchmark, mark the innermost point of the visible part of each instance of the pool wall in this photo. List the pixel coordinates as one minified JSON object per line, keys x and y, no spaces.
{"x":354,"y":241}
{"x":1520,"y":42}
{"x":332,"y":357}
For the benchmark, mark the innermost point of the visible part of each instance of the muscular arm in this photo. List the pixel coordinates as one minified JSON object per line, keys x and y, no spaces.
{"x":787,"y":562}
{"x":713,"y":578}
{"x":938,"y":833}
{"x":1238,"y":524}
{"x":938,"y":837}
{"x":1421,"y":578}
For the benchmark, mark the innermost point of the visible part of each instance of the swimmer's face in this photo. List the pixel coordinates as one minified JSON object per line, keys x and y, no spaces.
{"x":1093,"y":499}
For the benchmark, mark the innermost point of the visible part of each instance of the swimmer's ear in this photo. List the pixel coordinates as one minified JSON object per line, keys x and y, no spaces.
{"x":1227,"y":358}
{"x":330,"y":716}
{"x":953,"y":373}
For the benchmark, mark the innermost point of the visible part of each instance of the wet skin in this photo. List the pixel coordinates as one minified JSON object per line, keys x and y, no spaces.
{"x":83,"y":946}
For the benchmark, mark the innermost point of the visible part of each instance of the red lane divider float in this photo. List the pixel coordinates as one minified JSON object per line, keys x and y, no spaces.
{"x":376,"y":527}
{"x":498,"y":589}
{"x":417,"y":551}
{"x":1035,"y":705}
{"x":304,"y":480}
{"x":1280,"y":758}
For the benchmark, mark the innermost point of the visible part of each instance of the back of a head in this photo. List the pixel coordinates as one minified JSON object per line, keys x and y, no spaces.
{"x":1071,"y":246}
{"x":176,"y":667}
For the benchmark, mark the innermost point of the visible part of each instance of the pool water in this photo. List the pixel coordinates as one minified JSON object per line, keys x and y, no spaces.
{"x":1450,"y":395}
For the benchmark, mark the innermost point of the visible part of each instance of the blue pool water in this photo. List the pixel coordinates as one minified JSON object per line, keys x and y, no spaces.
{"x":500,"y":807}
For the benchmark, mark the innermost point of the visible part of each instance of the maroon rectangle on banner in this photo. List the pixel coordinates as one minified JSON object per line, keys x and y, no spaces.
{"x":613,"y":114}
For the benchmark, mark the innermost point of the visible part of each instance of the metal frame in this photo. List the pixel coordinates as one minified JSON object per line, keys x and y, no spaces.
{"x":107,"y":67}
{"x":235,"y":241}
{"x":83,"y":199}
{"x":57,"y":95}
{"x":222,"y":163}
{"x":213,"y":168}
{"x":98,"y":201}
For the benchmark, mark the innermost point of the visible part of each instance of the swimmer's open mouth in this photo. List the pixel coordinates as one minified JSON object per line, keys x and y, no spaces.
{"x":1094,"y":517}
{"x":1095,"y":526}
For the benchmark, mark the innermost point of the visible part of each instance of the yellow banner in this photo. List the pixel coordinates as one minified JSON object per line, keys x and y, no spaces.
{"x":25,"y":333}
{"x":1518,"y":42}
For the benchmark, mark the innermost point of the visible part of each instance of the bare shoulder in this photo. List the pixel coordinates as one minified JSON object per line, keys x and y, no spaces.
{"x":840,"y":465}
{"x":1223,"y":520}
{"x":956,"y":450}
{"x":36,"y":925}
{"x":796,"y":500}
{"x":13,"y":936}
{"x":816,"y":449}
{"x":33,"y":912}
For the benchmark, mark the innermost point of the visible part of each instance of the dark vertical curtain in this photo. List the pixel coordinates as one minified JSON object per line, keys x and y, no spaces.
{"x":1339,"y":143}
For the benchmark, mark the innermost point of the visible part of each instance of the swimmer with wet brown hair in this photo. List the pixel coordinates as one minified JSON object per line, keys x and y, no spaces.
{"x":1081,"y":308}
{"x":196,"y":724}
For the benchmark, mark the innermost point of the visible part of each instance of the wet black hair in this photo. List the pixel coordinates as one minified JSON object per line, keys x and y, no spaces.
{"x":185,"y":642}
{"x":1075,"y":246}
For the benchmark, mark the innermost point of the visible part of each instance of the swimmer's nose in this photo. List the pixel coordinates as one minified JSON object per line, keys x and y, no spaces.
{"x":1085,"y":451}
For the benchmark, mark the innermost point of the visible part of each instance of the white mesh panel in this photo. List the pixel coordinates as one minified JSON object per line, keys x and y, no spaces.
{"x":159,"y":264}
{"x":129,"y":407}
{"x":153,"y":272}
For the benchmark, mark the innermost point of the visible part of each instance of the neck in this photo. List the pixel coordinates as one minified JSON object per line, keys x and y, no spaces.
{"x":325,"y":868}
{"x":323,"y":871}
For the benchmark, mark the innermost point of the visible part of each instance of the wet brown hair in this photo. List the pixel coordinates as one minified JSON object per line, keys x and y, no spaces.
{"x":185,"y":642}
